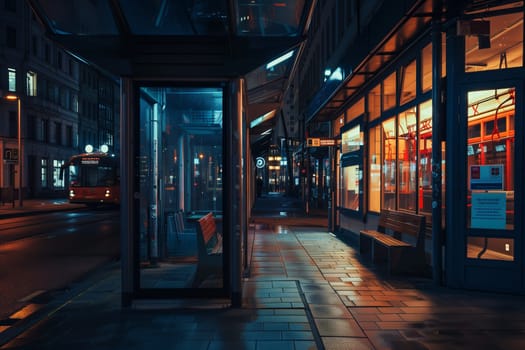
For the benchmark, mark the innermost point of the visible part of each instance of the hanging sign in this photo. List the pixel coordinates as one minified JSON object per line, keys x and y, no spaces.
{"x":260,"y":162}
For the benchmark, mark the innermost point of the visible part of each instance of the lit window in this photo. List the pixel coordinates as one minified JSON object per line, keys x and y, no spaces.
{"x":12,"y":79}
{"x":58,"y":181}
{"x":31,"y":84}
{"x":43,"y":172}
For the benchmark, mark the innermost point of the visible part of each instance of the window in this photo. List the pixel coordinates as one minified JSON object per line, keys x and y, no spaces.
{"x":44,"y":130}
{"x":389,"y":92}
{"x":425,"y":157}
{"x":501,"y":48}
{"x":389,"y":163}
{"x":374,"y":102}
{"x":60,"y":60}
{"x":351,"y":140}
{"x":11,"y":79}
{"x":10,"y":37}
{"x":47,"y":53}
{"x":44,"y":173}
{"x":374,"y":188}
{"x":408,"y":83}
{"x":357,"y":109}
{"x":58,"y":133}
{"x":426,"y":68}
{"x":351,"y":187}
{"x":31,"y":84}
{"x":407,"y":160}
{"x":351,"y":172}
{"x":58,"y":181}
{"x":34,"y":45}
{"x":30,"y":127}
{"x":74,"y":102}
{"x":69,"y":136}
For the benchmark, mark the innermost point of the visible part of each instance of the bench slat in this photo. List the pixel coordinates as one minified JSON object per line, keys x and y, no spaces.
{"x":392,"y":227}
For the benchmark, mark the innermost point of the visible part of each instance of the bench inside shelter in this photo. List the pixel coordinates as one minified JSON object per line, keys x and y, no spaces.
{"x":399,"y":240}
{"x":209,"y":249}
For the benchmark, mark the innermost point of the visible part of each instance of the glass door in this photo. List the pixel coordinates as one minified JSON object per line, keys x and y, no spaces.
{"x":494,"y":239}
{"x":179,"y":181}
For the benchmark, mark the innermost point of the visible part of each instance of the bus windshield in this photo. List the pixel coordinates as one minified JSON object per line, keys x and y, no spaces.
{"x":91,"y":176}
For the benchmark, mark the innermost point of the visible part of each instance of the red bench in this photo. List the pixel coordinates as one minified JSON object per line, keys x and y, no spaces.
{"x":209,"y":249}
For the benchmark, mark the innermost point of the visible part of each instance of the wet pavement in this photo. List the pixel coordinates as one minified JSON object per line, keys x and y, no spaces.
{"x":308,"y":289}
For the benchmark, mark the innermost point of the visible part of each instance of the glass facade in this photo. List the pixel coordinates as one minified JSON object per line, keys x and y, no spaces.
{"x":180,"y":177}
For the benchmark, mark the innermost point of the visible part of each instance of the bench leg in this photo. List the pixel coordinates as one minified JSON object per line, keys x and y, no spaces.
{"x":395,"y":260}
{"x":380,"y":253}
{"x":365,"y":244}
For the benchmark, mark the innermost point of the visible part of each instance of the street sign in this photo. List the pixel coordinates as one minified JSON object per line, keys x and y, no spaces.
{"x":260,"y":162}
{"x":313,"y":142}
{"x":319,"y":142}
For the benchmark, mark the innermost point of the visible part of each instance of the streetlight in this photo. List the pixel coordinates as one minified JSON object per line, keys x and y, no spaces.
{"x":20,"y":151}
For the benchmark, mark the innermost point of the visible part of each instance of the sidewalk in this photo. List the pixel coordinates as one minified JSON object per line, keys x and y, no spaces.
{"x":307,"y":290}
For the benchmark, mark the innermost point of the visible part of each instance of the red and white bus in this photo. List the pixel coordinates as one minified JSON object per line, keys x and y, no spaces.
{"x":94,"y":179}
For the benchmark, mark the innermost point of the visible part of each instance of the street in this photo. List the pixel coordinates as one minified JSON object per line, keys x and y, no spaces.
{"x":43,"y":254}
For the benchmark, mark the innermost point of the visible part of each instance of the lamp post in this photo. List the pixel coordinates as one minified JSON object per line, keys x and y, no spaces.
{"x":20,"y":151}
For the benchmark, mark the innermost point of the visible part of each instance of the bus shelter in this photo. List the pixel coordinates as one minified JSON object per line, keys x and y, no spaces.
{"x":194,"y":75}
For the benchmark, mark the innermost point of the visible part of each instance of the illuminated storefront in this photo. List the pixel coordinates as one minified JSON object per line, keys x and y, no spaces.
{"x":396,"y":125}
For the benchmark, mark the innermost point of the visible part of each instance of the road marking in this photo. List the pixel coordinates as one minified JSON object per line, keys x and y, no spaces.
{"x":32,"y":295}
{"x":26,"y":311}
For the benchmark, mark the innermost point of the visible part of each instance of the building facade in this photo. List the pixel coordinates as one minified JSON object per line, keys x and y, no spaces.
{"x":425,"y":99}
{"x":49,"y":83}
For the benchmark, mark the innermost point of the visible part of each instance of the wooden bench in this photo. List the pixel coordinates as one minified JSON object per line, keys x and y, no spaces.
{"x":399,"y":240}
{"x":209,"y":249}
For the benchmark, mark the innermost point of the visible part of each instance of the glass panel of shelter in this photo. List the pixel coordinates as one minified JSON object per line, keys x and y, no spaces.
{"x":180,"y":180}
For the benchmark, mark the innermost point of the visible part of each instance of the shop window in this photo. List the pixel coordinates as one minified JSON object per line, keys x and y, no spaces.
{"x":426,"y":68}
{"x":374,"y":186}
{"x":407,"y":160}
{"x":351,"y":187}
{"x":389,"y":163}
{"x":485,"y":248}
{"x":357,"y":109}
{"x":374,"y":103}
{"x":389,"y":92}
{"x":408,"y":83}
{"x":490,"y":168}
{"x":498,"y":46}
{"x":425,"y":157}
{"x":351,"y":140}
{"x":352,"y":173}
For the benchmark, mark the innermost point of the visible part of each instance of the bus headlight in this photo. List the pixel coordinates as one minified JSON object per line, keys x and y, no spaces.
{"x":108,"y":193}
{"x":71,"y":193}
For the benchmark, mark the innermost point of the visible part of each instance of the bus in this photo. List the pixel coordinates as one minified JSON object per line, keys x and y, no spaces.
{"x":93,"y":179}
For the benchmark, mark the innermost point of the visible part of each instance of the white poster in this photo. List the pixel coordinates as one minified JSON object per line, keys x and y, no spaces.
{"x":489,"y":210}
